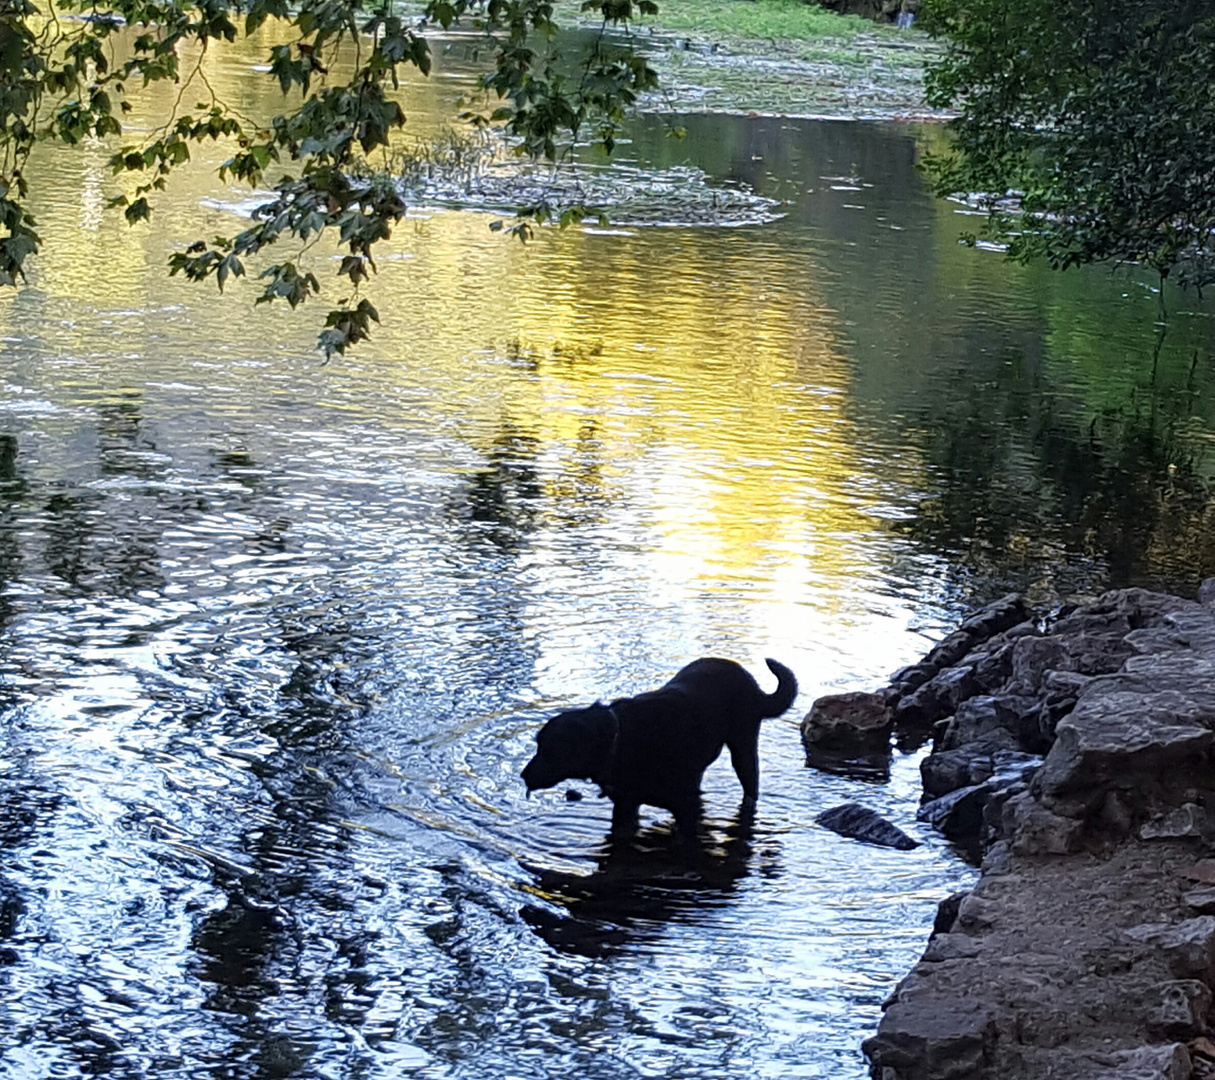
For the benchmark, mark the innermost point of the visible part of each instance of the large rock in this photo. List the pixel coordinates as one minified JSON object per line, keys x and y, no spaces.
{"x":973,"y":763}
{"x":1016,"y":721}
{"x":953,"y":1045}
{"x":1139,"y":744}
{"x":1083,"y":653}
{"x":938,"y":698}
{"x":849,"y":734}
{"x":846,"y":722}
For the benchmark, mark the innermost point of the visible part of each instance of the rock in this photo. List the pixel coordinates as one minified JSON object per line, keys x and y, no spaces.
{"x":937,"y":698}
{"x":1115,"y":816}
{"x":1187,"y":820}
{"x":947,"y":912}
{"x":847,"y":721}
{"x":1206,"y":592}
{"x":909,"y":678}
{"x":1188,"y":947}
{"x":1034,"y":830}
{"x":918,"y":1040}
{"x":974,"y":763}
{"x":1118,"y":739}
{"x":997,"y":617}
{"x":959,"y":816}
{"x":1152,"y":1063}
{"x":1142,"y":606}
{"x":1178,"y":1009}
{"x":1016,"y":720}
{"x":1066,"y":683}
{"x":951,"y":947}
{"x":1085,"y":654}
{"x":1201,"y":900}
{"x":1111,"y":624}
{"x":860,"y":823}
{"x":1203,"y":1047}
{"x":976,"y":913}
{"x":849,"y":734}
{"x":950,"y":650}
{"x":1203,"y":870}
{"x":991,"y":664}
{"x":948,"y":770}
{"x":994,"y":619}
{"x":1034,"y":973}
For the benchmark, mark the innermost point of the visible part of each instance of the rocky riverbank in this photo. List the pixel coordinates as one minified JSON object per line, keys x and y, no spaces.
{"x":1072,"y":753}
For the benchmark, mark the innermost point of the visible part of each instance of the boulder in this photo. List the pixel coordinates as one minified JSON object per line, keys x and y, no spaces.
{"x":1014,"y":720}
{"x":942,"y":1039}
{"x":1082,"y":653}
{"x":1187,"y":947}
{"x":1035,"y":972}
{"x":844,"y":722}
{"x":937,"y":698}
{"x":988,"y":622}
{"x":996,"y":617}
{"x":1178,"y":1009}
{"x":1129,"y":742}
{"x":973,"y":763}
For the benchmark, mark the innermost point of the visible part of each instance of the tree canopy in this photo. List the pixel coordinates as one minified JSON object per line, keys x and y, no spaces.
{"x":1086,"y":129}
{"x":68,"y":68}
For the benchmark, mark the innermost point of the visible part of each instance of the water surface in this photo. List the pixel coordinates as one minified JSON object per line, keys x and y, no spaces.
{"x":275,"y":634}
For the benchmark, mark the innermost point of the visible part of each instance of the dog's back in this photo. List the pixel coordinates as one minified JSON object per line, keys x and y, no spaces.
{"x":724,"y":686}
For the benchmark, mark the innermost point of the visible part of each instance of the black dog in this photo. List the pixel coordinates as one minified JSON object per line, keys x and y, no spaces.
{"x":655,"y":747}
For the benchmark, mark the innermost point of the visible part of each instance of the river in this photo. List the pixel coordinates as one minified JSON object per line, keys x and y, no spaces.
{"x":276,"y":634}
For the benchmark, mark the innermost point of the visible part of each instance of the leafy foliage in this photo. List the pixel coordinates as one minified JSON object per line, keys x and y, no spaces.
{"x":1087,"y":129}
{"x":67,"y":68}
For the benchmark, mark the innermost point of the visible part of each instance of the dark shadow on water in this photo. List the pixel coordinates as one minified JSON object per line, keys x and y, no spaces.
{"x":641,"y":885}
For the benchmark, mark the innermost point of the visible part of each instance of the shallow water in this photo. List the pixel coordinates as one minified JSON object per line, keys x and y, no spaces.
{"x":275,"y":635}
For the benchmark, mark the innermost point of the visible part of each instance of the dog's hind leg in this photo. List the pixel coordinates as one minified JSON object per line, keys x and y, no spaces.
{"x":744,"y":755}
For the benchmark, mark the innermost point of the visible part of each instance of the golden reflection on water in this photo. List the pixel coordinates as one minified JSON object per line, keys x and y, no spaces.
{"x":704,"y":366}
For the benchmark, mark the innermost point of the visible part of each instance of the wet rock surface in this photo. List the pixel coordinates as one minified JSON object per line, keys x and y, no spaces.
{"x":860,"y":823}
{"x":1073,"y":753}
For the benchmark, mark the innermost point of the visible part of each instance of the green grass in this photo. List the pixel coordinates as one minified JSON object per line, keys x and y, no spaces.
{"x":792,"y":20}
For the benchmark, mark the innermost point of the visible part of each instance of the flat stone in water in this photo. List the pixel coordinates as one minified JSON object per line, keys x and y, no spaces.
{"x":860,"y":823}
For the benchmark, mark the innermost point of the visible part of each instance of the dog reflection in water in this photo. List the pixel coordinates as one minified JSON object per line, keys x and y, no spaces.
{"x":655,"y":747}
{"x":639,"y":887}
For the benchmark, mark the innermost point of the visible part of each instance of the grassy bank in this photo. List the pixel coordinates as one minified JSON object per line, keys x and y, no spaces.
{"x":782,"y":57}
{"x":791,"y":20}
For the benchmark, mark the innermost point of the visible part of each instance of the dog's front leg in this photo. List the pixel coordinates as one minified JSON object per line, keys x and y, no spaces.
{"x":624,"y":818}
{"x":687,"y":813}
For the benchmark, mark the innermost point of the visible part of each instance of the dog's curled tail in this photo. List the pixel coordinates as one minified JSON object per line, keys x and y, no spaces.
{"x":782,"y":697}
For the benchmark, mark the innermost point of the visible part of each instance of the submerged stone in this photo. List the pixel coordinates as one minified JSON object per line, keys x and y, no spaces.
{"x":860,"y":823}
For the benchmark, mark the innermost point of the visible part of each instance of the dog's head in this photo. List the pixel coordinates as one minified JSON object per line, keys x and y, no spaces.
{"x":574,"y":745}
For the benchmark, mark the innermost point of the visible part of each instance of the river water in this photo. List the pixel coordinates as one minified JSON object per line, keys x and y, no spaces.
{"x":276,"y":634}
